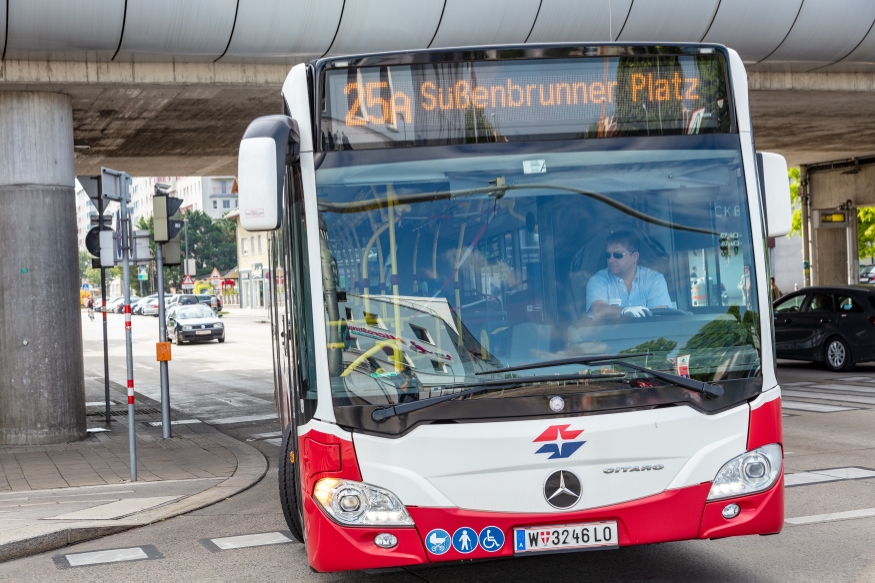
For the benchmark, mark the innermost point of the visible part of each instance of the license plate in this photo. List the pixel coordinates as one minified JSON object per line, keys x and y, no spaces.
{"x":565,"y":537}
{"x":202,"y":332}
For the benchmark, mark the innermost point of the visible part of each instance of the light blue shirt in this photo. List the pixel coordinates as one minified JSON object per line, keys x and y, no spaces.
{"x":648,"y":289}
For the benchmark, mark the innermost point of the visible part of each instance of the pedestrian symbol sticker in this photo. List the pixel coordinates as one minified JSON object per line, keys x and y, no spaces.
{"x":465,"y":540}
{"x":492,"y":539}
{"x":438,"y":541}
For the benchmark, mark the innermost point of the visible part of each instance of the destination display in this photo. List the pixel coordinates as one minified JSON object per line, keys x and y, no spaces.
{"x":510,"y":101}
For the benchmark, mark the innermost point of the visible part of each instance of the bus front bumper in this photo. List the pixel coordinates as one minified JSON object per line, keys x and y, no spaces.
{"x":673,"y":515}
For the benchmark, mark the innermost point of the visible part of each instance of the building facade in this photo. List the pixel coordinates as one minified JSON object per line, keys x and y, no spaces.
{"x":252,"y":265}
{"x":209,"y":194}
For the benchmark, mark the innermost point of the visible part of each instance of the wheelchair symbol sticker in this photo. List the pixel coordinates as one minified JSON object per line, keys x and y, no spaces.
{"x":491,"y":539}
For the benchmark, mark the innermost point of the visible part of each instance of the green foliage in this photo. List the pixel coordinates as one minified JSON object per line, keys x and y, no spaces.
{"x":653,"y":346}
{"x":84,"y":264}
{"x":866,"y":231}
{"x":795,"y":202}
{"x":719,"y":341}
{"x":203,"y":287}
{"x":211,"y":243}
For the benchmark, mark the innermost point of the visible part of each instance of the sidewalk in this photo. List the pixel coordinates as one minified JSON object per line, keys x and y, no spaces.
{"x":55,"y":495}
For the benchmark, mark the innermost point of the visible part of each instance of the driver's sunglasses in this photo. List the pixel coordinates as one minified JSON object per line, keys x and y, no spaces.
{"x":617,"y":254}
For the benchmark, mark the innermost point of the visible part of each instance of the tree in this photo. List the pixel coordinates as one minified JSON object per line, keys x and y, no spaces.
{"x":795,"y":202}
{"x":866,"y":231}
{"x":211,"y":243}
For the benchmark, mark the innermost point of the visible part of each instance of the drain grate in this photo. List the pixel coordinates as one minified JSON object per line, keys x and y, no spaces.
{"x":124,"y":413}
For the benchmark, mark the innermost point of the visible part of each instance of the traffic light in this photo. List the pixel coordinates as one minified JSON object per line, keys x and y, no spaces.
{"x":172,"y":253}
{"x":164,"y":208}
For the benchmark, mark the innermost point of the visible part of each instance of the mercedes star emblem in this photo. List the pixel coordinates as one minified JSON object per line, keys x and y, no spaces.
{"x":562,"y":489}
{"x":557,"y":404}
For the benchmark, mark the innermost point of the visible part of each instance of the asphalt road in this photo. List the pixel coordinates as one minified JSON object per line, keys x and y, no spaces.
{"x":829,"y":441}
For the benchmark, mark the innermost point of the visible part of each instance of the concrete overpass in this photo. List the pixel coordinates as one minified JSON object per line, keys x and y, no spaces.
{"x":167,"y":87}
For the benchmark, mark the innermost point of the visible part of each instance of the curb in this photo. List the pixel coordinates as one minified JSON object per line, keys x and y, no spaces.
{"x":32,"y":540}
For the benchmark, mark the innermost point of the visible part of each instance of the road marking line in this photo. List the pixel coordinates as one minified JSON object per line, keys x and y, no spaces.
{"x":277,"y":441}
{"x":851,"y":473}
{"x":115,"y":510}
{"x":827,"y":475}
{"x":242,"y":541}
{"x":182,"y":422}
{"x":141,"y":553}
{"x":98,"y":403}
{"x":258,"y":436}
{"x":864,"y":379}
{"x":800,"y":384}
{"x":251,"y":540}
{"x":862,"y":513}
{"x":803,"y":478}
{"x":831,"y":397}
{"x":852,"y":388}
{"x":115,"y":556}
{"x":242,"y":419}
{"x":815,"y":407}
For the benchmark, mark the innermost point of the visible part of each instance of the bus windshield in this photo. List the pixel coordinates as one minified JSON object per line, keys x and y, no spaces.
{"x":448,"y":263}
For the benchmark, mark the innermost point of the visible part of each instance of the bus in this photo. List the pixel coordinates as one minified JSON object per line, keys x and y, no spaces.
{"x":519,"y":300}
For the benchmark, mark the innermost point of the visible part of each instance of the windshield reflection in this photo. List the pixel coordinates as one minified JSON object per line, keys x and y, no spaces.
{"x":441,"y":270}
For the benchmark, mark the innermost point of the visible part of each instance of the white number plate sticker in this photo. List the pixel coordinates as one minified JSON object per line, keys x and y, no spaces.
{"x":565,"y":537}
{"x":200,"y":332}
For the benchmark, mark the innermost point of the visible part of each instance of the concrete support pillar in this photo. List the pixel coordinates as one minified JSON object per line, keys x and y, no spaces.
{"x":42,"y":389}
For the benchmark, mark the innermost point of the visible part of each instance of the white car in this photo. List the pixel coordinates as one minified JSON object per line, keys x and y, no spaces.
{"x":150,"y":308}
{"x":137,"y":308}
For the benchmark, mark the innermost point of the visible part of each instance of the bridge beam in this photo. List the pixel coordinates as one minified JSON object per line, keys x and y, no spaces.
{"x":42,"y":387}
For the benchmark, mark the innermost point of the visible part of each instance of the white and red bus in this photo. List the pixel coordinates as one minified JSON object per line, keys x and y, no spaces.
{"x":457,"y":375}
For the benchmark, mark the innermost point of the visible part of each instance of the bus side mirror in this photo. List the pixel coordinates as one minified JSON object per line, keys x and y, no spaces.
{"x":270,"y":142}
{"x":775,"y":188}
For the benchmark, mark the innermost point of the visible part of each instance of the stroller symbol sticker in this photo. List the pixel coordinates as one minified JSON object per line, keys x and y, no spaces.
{"x":438,"y":541}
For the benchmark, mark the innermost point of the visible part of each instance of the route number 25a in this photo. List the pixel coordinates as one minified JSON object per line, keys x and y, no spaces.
{"x":373,"y":103}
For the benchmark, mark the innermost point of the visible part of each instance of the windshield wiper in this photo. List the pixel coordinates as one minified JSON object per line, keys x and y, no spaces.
{"x":379,"y":415}
{"x":708,"y":389}
{"x":561,"y":361}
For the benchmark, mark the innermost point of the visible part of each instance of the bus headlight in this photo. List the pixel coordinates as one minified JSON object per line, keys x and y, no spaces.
{"x":752,"y":471}
{"x":358,"y":504}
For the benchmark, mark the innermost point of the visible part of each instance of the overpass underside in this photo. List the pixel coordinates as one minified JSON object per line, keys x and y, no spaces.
{"x":160,"y":119}
{"x":148,"y":119}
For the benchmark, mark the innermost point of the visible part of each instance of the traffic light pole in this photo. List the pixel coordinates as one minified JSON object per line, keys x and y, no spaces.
{"x":126,"y":270}
{"x":103,"y":313}
{"x":162,"y":336}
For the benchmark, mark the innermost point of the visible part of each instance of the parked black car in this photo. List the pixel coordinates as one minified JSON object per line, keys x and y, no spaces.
{"x":832,"y":325}
{"x":188,"y":300}
{"x":196,"y":323}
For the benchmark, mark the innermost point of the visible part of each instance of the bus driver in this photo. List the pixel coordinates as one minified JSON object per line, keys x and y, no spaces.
{"x":625,"y":288}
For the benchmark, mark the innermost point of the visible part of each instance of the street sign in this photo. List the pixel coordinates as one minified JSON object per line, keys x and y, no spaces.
{"x":215,"y":278}
{"x":142,"y":274}
{"x":187,"y":283}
